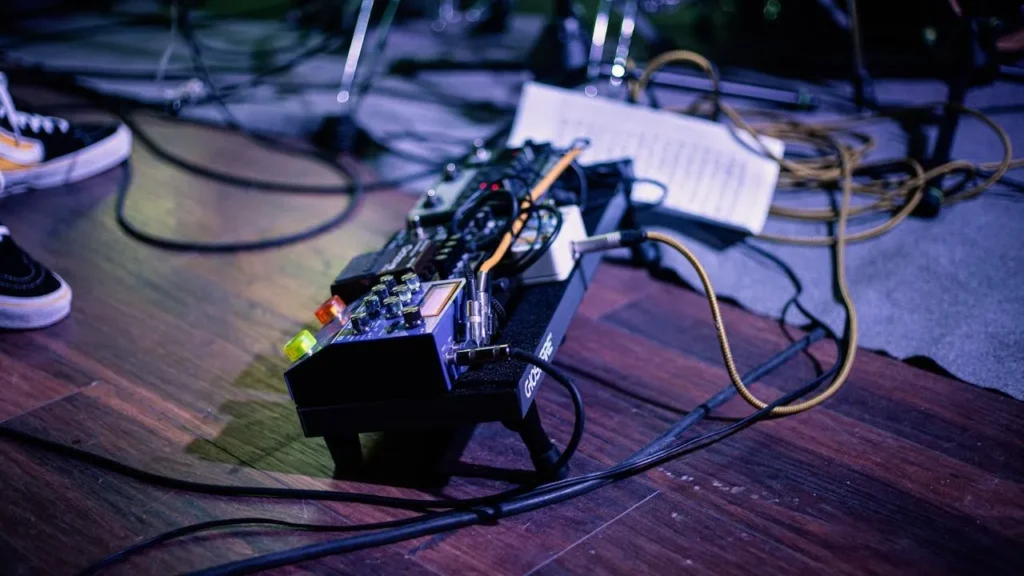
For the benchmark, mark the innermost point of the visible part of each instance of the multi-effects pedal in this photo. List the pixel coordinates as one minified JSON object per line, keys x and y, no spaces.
{"x":401,"y":334}
{"x":409,"y":330}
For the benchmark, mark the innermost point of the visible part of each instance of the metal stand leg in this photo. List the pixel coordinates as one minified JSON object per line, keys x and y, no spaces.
{"x":863,"y":86}
{"x":598,"y":39}
{"x":972,"y":64}
{"x":346,"y":451}
{"x":964,"y":69}
{"x":616,"y":72}
{"x":340,"y":132}
{"x":629,"y":12}
{"x":559,"y":56}
{"x":490,"y":16}
{"x":543,"y":453}
{"x":355,"y":49}
{"x":948,"y":124}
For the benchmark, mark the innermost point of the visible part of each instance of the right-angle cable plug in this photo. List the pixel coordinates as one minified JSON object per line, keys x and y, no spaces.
{"x":608,"y":241}
{"x":483,"y":355}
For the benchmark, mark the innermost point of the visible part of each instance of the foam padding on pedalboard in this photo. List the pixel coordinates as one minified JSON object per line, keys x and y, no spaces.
{"x":532,"y":312}
{"x":527,"y":323}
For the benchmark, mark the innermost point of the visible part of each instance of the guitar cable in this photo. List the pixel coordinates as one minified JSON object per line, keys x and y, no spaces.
{"x":156,"y":479}
{"x":838,"y":164}
{"x":631,"y":238}
{"x":541,"y":497}
{"x":897,"y":187}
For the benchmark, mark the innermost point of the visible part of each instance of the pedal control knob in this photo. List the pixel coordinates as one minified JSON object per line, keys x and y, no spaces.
{"x":392,"y":307}
{"x":371,"y":305}
{"x":412,"y":316}
{"x":360,"y":322}
{"x":380,"y":291}
{"x":389,"y":281}
{"x":402,"y":293}
{"x":412,"y":281}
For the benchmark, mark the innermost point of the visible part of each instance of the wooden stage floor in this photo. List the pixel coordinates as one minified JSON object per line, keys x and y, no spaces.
{"x":171,"y":362}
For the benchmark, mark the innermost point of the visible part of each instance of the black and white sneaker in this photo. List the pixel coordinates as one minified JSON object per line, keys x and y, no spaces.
{"x":30,"y":295}
{"x":39,"y":151}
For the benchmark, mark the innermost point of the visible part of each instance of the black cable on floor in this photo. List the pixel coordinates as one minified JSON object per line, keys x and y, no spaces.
{"x":192,"y":529}
{"x":227,"y":246}
{"x":416,"y":504}
{"x":91,"y":29}
{"x":662,"y":441}
{"x":728,"y":393}
{"x":566,"y":382}
{"x":563,"y":461}
{"x":123,"y":108}
{"x":232,"y":180}
{"x":354,"y":190}
{"x":544,"y":496}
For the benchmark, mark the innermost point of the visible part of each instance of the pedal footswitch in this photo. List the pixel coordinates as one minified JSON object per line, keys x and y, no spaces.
{"x":411,"y":347}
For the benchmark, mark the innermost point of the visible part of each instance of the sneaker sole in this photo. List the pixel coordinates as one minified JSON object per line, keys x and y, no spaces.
{"x":68,"y":169}
{"x":38,"y":312}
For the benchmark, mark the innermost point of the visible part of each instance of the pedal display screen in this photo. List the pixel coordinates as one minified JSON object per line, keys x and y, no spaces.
{"x":436,"y":298}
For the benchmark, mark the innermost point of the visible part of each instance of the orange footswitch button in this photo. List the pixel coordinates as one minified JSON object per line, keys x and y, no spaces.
{"x":329,"y":310}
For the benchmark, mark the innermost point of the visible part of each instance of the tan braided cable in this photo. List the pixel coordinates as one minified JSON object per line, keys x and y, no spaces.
{"x":903,"y":198}
{"x":844,"y":293}
{"x":838,"y":167}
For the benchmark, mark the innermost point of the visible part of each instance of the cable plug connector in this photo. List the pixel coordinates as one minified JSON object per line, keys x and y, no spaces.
{"x":482,"y":355}
{"x":601,"y":242}
{"x":478,"y":315}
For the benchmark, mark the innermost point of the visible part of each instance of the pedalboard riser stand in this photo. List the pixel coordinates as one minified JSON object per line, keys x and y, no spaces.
{"x":386,"y":365}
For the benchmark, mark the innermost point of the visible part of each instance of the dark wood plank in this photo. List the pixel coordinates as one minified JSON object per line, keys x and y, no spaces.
{"x":951,"y":418}
{"x":32,"y":375}
{"x":829,"y":484}
{"x":500,"y":548}
{"x":491,"y":446}
{"x":613,"y":287}
{"x":679,"y":537}
{"x":113,"y":511}
{"x":100,"y":513}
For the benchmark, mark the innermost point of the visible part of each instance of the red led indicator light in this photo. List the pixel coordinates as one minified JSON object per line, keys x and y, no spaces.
{"x":495,"y":186}
{"x":483,"y":185}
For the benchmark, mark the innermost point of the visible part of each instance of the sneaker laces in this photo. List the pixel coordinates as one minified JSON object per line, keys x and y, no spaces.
{"x":18,"y":120}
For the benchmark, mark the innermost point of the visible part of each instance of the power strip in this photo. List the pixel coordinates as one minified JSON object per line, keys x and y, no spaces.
{"x":559,"y":259}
